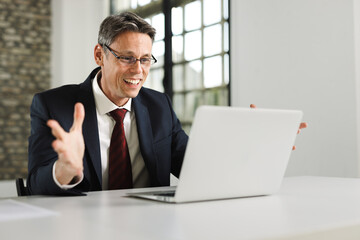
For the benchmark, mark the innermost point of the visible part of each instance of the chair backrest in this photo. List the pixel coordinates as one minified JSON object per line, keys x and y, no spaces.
{"x":21,"y":188}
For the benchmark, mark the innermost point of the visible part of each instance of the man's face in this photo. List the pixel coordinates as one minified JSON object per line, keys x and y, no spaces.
{"x":121,"y":81}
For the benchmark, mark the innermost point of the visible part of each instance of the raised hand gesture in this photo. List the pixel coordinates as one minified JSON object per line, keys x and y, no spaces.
{"x":70,"y":147}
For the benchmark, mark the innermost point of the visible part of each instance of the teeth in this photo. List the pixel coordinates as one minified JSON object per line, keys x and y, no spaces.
{"x":135,"y":82}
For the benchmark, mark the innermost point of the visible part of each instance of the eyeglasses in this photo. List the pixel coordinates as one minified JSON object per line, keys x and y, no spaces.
{"x":129,"y":60}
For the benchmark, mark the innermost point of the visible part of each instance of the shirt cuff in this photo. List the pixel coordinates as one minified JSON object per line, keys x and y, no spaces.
{"x":65,"y":186}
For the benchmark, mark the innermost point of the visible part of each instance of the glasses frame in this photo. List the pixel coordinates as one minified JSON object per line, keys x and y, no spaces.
{"x":136,"y":59}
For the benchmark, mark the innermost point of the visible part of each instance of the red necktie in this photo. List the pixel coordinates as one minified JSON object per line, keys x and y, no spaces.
{"x":120,"y":175}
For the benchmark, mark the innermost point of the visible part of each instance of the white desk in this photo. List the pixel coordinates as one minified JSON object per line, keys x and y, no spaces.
{"x":305,"y":208}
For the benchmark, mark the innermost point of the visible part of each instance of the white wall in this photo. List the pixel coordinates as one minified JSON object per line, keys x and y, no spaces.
{"x":75,"y":26}
{"x":357,"y":73}
{"x":300,"y":54}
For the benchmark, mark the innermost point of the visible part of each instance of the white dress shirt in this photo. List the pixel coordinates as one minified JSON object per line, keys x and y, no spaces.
{"x":106,"y":124}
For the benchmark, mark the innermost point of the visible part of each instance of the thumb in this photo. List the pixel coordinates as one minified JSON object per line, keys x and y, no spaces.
{"x":79,"y":115}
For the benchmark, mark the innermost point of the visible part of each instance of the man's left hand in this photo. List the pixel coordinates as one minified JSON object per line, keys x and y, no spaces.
{"x":302,"y":125}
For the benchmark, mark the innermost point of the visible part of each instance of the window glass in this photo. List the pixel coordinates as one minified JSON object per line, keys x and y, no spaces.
{"x":212,"y":11}
{"x":143,"y":2}
{"x":148,"y":20}
{"x":212,"y":40}
{"x":193,"y":79}
{"x":226,"y":69}
{"x":226,"y":9}
{"x":178,"y":78}
{"x":193,"y":16}
{"x":211,"y":97}
{"x":179,"y":106}
{"x":192,"y":101}
{"x":177,"y":48}
{"x":155,"y":79}
{"x":158,"y":24}
{"x":212,"y":72}
{"x":121,"y":4}
{"x":226,"y":37}
{"x":133,"y":3}
{"x":177,"y":20}
{"x":158,"y":50}
{"x":216,"y":96}
{"x":192,"y":45}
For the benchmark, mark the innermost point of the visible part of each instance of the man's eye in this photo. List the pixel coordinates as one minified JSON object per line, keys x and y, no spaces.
{"x":145,"y":60}
{"x":128,"y":59}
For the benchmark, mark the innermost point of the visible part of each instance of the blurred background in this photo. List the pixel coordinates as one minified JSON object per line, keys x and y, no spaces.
{"x":275,"y":53}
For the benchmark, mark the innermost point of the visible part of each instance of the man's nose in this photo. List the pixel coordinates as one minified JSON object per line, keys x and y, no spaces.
{"x":137,"y":67}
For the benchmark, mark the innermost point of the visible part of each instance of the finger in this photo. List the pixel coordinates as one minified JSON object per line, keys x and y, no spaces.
{"x":79,"y":115}
{"x":252,"y":105}
{"x":58,"y":146}
{"x":56,"y":130}
{"x":303,"y":125}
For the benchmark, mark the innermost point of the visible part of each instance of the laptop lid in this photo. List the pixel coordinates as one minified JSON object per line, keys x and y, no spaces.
{"x":236,"y":152}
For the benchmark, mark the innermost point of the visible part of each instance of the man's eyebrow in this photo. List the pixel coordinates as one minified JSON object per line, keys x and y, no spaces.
{"x":131,"y":53}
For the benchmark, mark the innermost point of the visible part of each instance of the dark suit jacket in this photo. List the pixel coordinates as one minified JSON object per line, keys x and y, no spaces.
{"x":162,"y":140}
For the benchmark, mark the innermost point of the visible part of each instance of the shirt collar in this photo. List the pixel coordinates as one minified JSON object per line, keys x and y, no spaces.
{"x":102,"y":102}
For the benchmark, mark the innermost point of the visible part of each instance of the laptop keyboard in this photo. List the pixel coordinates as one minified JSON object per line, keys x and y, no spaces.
{"x":165,"y":194}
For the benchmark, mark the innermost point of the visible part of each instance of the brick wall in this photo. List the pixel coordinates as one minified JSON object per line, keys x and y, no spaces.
{"x":24,"y":70}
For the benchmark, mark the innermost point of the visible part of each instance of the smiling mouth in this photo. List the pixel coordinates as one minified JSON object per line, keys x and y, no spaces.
{"x":133,"y":82}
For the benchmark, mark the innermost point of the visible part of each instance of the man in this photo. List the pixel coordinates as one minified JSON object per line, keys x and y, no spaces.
{"x":71,"y":147}
{"x":69,"y":154}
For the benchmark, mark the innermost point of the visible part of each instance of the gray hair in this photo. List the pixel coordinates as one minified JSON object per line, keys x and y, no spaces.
{"x":113,"y":25}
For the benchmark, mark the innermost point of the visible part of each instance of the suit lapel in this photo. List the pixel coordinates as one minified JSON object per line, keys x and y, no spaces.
{"x":145,"y":134}
{"x":91,"y":133}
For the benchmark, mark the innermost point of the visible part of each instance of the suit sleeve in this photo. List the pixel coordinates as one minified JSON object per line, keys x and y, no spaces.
{"x":41,"y":155}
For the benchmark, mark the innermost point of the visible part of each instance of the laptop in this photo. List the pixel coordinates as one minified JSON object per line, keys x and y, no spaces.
{"x":233,"y":152}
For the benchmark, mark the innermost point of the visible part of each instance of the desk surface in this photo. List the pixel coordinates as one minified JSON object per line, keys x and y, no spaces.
{"x":305,"y":208}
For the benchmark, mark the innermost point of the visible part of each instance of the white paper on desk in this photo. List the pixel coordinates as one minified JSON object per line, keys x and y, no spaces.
{"x":14,"y":210}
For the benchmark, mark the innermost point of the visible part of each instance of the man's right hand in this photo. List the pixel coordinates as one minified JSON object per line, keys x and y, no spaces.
{"x":70,"y":147}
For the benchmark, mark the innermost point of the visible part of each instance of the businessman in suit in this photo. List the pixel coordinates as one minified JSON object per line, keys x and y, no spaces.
{"x":71,"y":126}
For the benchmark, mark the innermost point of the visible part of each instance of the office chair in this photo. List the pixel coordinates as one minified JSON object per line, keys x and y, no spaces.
{"x":21,"y":188}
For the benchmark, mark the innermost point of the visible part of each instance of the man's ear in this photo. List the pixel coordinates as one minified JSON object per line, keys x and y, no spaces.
{"x":98,"y":55}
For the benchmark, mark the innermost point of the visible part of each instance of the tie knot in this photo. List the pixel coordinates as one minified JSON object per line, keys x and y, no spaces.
{"x":118,"y":114}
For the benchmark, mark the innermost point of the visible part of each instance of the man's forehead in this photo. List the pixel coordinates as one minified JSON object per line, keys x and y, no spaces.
{"x":132,"y":43}
{"x":131,"y":34}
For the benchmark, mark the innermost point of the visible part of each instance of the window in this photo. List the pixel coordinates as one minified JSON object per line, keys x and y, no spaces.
{"x":196,"y":69}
